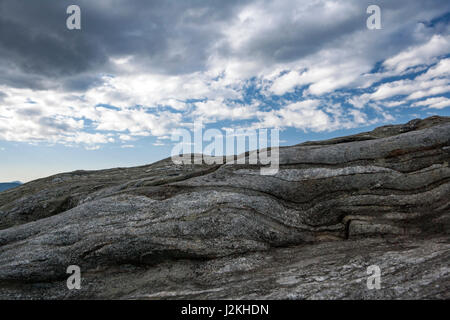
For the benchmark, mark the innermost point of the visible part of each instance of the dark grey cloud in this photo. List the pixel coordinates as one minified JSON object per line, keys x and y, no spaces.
{"x":2,"y":96}
{"x":34,"y":36}
{"x":291,"y":39}
{"x":161,"y":35}
{"x":50,"y":124}
{"x":170,"y":36}
{"x":29,"y":112}
{"x":82,"y":82}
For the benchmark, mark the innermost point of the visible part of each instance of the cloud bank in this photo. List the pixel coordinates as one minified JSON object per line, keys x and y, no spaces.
{"x":144,"y":68}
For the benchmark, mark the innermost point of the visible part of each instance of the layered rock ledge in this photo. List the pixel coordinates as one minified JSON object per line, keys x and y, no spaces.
{"x":225,"y":231}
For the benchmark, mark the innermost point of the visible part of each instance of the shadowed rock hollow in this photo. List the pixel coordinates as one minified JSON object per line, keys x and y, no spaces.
{"x":225,"y":231}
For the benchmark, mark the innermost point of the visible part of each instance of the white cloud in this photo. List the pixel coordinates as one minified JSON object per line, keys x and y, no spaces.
{"x":429,"y":92}
{"x":136,"y":121}
{"x":286,"y":83}
{"x":92,"y":148}
{"x":422,"y":54}
{"x":221,"y":110}
{"x":392,"y":104}
{"x":442,"y":69}
{"x":405,"y":87}
{"x":314,"y":115}
{"x":302,"y":115}
{"x":359,"y":101}
{"x":125,"y":137}
{"x":434,"y":103}
{"x":325,"y":72}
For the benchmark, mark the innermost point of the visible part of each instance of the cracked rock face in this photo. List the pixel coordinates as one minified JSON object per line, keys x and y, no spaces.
{"x":226,"y":231}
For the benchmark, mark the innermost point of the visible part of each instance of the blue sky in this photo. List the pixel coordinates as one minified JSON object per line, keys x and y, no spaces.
{"x":113,"y":93}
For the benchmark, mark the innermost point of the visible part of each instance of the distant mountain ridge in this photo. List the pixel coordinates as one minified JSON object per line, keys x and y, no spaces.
{"x":9,"y":185}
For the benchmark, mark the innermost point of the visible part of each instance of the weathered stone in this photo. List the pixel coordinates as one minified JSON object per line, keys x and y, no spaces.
{"x":225,"y":231}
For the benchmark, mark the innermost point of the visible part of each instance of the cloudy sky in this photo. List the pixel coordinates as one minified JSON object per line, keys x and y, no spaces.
{"x":112,"y":93}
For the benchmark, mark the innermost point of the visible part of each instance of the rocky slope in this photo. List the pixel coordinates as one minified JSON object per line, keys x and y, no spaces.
{"x":225,"y":231}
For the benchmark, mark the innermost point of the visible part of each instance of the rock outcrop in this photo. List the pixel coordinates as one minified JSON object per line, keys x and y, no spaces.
{"x":225,"y":231}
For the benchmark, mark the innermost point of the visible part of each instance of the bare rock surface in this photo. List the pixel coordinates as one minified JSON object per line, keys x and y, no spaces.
{"x":226,"y":231}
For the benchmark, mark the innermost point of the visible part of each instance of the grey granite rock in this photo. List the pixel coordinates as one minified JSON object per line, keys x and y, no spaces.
{"x":226,"y":231}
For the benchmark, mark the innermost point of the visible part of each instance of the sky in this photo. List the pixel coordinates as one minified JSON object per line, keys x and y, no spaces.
{"x":113,"y":93}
